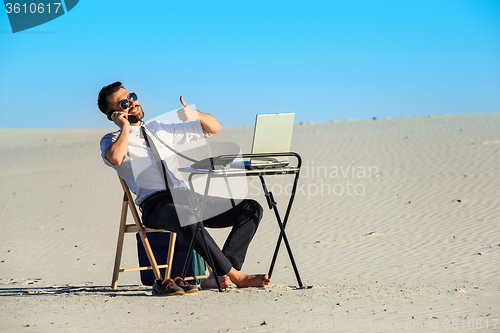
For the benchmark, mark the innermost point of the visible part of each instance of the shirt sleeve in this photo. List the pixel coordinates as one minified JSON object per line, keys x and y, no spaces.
{"x":181,"y":132}
{"x":107,"y":141}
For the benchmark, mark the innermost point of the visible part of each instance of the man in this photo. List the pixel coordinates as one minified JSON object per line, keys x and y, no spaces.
{"x":129,"y":154}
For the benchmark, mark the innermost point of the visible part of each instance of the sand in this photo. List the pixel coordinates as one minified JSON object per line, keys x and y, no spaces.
{"x":395,"y":225}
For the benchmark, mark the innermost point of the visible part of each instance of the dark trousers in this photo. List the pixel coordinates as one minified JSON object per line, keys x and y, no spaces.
{"x":161,"y":212}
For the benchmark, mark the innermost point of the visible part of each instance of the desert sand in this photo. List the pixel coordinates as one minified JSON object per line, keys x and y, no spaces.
{"x":396,"y":224}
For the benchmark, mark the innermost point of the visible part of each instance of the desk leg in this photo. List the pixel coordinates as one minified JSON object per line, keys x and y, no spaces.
{"x":287,"y":214}
{"x":273,"y":205}
{"x":199,"y":227}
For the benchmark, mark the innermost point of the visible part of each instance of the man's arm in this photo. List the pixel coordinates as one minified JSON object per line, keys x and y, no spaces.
{"x":208,"y":122}
{"x":118,"y":150}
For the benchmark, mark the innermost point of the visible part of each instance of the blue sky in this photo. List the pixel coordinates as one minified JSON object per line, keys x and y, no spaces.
{"x":324,"y":60}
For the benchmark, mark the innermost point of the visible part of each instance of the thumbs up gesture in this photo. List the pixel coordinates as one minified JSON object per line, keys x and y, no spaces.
{"x":187,"y":113}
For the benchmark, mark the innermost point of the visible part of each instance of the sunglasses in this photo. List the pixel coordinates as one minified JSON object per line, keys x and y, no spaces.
{"x":125,"y":103}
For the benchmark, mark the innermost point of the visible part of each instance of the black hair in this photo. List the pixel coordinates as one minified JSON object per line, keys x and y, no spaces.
{"x":102,"y":100}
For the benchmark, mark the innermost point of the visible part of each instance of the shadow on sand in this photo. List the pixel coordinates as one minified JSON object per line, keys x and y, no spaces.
{"x":85,"y":290}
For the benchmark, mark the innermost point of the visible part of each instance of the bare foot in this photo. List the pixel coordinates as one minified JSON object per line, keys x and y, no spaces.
{"x":243,"y":280}
{"x":210,"y":282}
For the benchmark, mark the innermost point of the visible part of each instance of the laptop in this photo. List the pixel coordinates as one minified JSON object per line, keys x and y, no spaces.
{"x":272,"y":134}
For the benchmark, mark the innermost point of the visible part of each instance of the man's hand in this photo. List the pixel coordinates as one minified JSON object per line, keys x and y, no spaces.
{"x":187,"y":113}
{"x":208,"y":122}
{"x":120,"y":119}
{"x":116,"y":152}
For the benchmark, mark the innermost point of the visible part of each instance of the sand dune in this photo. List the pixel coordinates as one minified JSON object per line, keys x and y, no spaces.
{"x":395,"y":221}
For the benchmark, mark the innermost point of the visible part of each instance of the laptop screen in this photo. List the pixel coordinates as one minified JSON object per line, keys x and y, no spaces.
{"x":273,"y":134}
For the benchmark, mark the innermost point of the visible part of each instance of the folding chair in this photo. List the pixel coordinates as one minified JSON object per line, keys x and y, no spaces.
{"x":128,"y":203}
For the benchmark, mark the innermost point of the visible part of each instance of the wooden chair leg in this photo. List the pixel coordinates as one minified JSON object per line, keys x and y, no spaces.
{"x":142,"y":232}
{"x":119,"y":245}
{"x":170,"y":256}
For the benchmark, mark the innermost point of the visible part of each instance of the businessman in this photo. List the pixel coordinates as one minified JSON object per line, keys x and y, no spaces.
{"x":127,"y":148}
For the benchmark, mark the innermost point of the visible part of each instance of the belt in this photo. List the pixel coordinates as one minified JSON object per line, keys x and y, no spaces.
{"x":154,"y":198}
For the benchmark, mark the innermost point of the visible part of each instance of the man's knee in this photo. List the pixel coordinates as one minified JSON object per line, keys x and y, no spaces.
{"x":255,"y":210}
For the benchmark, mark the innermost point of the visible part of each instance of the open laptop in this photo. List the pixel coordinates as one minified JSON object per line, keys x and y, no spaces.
{"x":272,"y":134}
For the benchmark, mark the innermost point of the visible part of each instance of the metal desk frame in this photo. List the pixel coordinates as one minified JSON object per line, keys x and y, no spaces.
{"x":222,"y":172}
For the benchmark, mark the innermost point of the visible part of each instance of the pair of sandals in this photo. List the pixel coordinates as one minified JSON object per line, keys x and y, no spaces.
{"x":173,"y":287}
